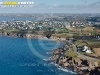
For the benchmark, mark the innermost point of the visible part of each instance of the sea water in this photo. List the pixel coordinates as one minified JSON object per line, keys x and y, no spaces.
{"x":21,"y":56}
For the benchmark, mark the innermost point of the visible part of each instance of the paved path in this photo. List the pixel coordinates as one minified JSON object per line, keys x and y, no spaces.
{"x":83,"y":56}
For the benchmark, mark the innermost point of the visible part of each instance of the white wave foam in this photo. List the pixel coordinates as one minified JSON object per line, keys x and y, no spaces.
{"x":52,"y":63}
{"x":45,"y":59}
{"x":56,"y":64}
{"x":47,"y":53}
{"x":66,"y":70}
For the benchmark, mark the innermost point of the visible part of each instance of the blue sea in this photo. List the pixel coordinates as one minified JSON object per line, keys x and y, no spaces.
{"x":21,"y":56}
{"x":20,"y":18}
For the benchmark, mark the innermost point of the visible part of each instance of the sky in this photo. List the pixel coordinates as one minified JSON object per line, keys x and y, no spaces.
{"x":59,"y":2}
{"x":65,"y":2}
{"x":55,"y":6}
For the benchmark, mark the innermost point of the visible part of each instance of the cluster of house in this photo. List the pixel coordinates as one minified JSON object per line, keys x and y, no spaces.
{"x":98,"y":37}
{"x":35,"y":24}
{"x":86,"y":49}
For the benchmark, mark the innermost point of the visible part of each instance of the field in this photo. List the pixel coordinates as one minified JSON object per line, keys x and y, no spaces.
{"x":88,"y":28}
{"x":71,"y":53}
{"x":62,"y":35}
{"x":97,"y":51}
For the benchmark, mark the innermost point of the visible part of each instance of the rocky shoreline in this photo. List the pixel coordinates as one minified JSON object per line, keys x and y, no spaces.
{"x":80,"y":66}
{"x":34,"y":36}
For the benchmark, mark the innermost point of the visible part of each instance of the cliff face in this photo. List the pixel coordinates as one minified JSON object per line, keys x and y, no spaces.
{"x":81,"y":66}
{"x":22,"y":35}
{"x":13,"y":34}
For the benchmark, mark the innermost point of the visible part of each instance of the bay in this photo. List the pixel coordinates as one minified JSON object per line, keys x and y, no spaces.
{"x":16,"y":18}
{"x":17,"y":57}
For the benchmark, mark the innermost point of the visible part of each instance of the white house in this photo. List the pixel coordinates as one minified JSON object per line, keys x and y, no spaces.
{"x":89,"y":51}
{"x":85,"y":48}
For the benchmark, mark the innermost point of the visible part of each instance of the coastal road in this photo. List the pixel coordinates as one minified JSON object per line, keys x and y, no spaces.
{"x":81,"y":55}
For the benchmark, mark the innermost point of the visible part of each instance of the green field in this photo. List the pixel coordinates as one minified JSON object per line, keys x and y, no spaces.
{"x":71,"y":53}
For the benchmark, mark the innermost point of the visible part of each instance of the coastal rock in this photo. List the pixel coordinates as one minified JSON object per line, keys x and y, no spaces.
{"x":93,"y":64}
{"x":55,"y":57}
{"x":77,"y":62}
{"x":75,"y":69}
{"x":80,"y":66}
{"x":65,"y":64}
{"x":95,"y":72}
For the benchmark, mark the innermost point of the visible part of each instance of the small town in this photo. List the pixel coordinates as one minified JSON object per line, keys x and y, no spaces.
{"x":79,"y":32}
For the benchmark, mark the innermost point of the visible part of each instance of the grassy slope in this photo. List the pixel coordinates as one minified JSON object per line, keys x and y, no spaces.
{"x":71,"y":53}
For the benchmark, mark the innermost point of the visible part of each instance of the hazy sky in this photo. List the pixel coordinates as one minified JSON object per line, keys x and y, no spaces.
{"x":56,"y":6}
{"x":59,"y":2}
{"x":65,"y":2}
